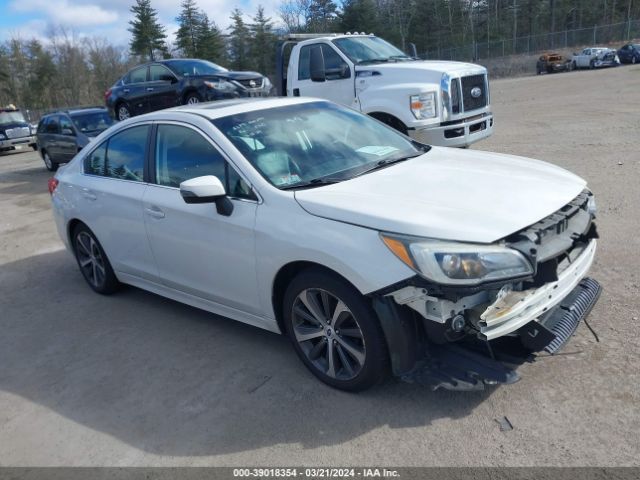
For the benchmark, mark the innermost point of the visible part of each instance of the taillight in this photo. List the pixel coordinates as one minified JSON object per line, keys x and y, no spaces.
{"x":107,"y":94}
{"x":52,"y":184}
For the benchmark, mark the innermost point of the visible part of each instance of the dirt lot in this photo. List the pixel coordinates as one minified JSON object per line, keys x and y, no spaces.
{"x":135,"y":379}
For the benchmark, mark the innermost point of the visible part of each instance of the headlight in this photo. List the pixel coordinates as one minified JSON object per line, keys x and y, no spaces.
{"x":452,"y":263}
{"x":32,"y":130}
{"x":423,"y":105}
{"x":2,"y":136}
{"x":267,"y":84}
{"x":221,"y":85}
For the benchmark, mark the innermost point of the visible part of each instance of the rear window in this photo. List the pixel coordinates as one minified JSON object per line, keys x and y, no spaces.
{"x":92,"y":122}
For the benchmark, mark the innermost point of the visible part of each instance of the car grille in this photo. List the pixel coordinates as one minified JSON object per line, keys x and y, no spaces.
{"x":257,"y":83}
{"x":469,"y":83}
{"x":17,"y":132}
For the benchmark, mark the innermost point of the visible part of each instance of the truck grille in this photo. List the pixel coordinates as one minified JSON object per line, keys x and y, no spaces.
{"x":17,"y":132}
{"x":470,"y":85}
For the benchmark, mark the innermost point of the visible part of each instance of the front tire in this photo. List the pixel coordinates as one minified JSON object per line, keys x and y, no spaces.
{"x":335,"y":331}
{"x":93,"y":262}
{"x":50,"y":164}
{"x":192,"y":99}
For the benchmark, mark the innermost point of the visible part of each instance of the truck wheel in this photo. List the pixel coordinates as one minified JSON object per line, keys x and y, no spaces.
{"x":592,"y":64}
{"x":335,"y":331}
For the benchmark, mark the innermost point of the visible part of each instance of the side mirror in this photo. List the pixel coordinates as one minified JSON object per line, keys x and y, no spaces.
{"x":207,"y":189}
{"x":68,"y":131}
{"x":316,"y":63}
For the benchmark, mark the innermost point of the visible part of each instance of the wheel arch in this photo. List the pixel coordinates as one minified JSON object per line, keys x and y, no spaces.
{"x":71,"y":226}
{"x":187,"y":91}
{"x":287,"y":273}
{"x":391,"y":120}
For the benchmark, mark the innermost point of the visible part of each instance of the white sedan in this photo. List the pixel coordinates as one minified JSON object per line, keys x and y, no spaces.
{"x":372,"y":252}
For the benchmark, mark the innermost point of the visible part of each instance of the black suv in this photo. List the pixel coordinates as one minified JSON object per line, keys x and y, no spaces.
{"x":63,"y":133}
{"x":168,"y":83}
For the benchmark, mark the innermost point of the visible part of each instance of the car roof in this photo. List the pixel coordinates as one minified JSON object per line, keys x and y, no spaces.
{"x":76,"y":110}
{"x":223,"y":108}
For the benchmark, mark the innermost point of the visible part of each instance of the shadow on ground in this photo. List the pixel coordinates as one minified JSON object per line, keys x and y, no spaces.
{"x":174,"y":380}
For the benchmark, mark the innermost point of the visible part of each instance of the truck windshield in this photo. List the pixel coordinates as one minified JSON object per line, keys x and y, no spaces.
{"x":314,"y":143}
{"x":7,"y":118}
{"x":369,"y":50}
{"x":190,"y":68}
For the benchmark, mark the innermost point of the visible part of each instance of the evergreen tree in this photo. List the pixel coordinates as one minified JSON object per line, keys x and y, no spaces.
{"x":239,"y":39}
{"x":322,"y":15}
{"x":190,"y":31}
{"x":263,"y":43}
{"x":211,"y":42}
{"x":148,"y":35}
{"x":359,"y":16}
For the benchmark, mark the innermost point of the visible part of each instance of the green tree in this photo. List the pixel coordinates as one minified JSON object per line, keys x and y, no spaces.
{"x":239,"y":39}
{"x":359,"y":16}
{"x":190,"y":29}
{"x":211,"y":42}
{"x":322,"y":15}
{"x":262,"y":48}
{"x":148,"y":35}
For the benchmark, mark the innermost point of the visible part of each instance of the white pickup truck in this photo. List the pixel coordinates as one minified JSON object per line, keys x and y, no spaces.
{"x":434,"y":102}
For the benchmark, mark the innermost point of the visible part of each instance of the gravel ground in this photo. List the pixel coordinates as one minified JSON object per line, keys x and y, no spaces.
{"x":135,"y":379}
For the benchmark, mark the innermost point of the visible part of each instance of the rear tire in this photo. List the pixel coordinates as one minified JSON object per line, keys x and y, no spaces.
{"x":50,"y":164}
{"x":93,"y":262}
{"x":122,"y":112}
{"x":335,"y":331}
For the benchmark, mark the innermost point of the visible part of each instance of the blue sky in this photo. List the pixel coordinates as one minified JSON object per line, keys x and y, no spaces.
{"x":105,"y":18}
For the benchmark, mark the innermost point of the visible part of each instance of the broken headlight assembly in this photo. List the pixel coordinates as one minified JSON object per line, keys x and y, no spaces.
{"x":451,"y":263}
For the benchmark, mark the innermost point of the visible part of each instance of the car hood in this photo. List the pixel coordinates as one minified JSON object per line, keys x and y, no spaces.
{"x":451,"y":194}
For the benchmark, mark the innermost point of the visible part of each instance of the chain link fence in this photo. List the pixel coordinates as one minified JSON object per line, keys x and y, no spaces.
{"x":531,"y":44}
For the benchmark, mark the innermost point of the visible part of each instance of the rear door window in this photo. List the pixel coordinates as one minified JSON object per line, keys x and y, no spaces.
{"x":139,"y":75}
{"x":122,"y":156}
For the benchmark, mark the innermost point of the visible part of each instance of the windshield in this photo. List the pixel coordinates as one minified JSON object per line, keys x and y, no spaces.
{"x":369,"y":49}
{"x":92,"y":123}
{"x":190,"y":68}
{"x":7,"y":118}
{"x":314,"y":143}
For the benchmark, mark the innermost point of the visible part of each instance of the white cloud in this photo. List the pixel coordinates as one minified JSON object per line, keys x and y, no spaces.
{"x":66,"y":13}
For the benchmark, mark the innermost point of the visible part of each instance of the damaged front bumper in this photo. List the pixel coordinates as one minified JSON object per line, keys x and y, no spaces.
{"x":514,"y":309}
{"x":465,"y":338}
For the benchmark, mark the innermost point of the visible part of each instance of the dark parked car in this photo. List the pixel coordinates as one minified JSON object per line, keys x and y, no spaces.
{"x":552,"y":62}
{"x":168,"y":83}
{"x":16,"y":134}
{"x":630,"y":53}
{"x":63,"y":133}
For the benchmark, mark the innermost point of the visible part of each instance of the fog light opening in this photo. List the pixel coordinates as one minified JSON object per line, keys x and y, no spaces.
{"x":457,"y":323}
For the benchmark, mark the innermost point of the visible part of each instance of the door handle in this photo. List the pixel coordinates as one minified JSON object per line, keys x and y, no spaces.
{"x":150,"y":89}
{"x":88,"y":194}
{"x":154,"y":212}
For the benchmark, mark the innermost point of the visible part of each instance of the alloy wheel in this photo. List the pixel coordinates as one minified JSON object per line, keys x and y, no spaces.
{"x":47,"y":161}
{"x":328,"y":334}
{"x":193,"y":100}
{"x":123,"y":113}
{"x":90,"y":259}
